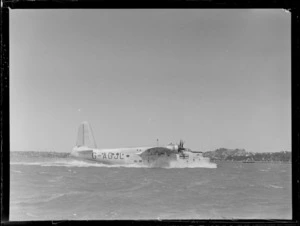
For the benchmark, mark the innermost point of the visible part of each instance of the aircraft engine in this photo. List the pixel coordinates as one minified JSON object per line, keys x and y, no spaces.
{"x":177,"y":148}
{"x":180,"y":146}
{"x":173,"y":147}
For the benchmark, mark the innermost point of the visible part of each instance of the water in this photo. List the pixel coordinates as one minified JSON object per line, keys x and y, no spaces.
{"x":44,"y":188}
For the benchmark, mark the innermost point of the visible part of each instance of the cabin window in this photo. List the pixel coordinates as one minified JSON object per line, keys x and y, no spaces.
{"x":140,"y":161}
{"x":135,"y":161}
{"x":127,"y":156}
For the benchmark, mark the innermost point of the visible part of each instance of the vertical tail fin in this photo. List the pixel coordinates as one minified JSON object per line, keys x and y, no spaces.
{"x":85,"y":136}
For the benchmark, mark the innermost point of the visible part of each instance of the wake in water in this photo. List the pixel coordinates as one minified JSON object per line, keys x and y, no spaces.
{"x":81,"y":163}
{"x":202,"y":164}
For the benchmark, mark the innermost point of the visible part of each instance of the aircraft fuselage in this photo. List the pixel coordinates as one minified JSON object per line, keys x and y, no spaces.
{"x":151,"y":156}
{"x":161,"y":156}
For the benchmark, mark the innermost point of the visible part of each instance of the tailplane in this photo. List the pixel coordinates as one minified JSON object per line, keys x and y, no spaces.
{"x":85,"y":137}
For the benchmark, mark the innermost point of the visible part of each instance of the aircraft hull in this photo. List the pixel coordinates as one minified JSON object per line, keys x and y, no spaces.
{"x":86,"y":149}
{"x":134,"y":157}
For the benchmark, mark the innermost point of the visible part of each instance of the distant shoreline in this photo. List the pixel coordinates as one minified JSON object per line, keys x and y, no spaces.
{"x":244,"y":162}
{"x":219,"y":155}
{"x":240,"y":155}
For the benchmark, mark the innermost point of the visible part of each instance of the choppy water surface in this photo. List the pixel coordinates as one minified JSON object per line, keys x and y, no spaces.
{"x":64,"y":188}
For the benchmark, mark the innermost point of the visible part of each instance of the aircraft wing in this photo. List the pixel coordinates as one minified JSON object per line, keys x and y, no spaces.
{"x":159,"y":156}
{"x":85,"y":154}
{"x":156,"y":151}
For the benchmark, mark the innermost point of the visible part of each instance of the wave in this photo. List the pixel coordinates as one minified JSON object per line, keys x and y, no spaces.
{"x":82,"y":163}
{"x":203,"y":164}
{"x":274,"y":186}
{"x":46,"y":198}
{"x":64,"y":163}
{"x":38,"y":200}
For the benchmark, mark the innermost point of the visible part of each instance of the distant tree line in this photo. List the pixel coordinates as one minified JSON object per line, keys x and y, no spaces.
{"x":222,"y":154}
{"x":242,"y":155}
{"x":39,"y":154}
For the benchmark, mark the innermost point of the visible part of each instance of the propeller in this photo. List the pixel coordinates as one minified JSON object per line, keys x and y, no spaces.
{"x":180,"y":146}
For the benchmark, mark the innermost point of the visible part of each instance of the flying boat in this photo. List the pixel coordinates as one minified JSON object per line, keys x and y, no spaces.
{"x":155,"y":156}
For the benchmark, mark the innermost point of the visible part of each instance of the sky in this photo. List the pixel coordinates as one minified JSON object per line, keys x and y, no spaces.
{"x":212,"y":77}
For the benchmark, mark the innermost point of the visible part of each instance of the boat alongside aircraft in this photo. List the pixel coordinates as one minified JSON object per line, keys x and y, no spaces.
{"x":156,"y":156}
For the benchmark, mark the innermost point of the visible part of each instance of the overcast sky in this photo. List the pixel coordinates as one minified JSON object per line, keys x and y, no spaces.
{"x":214,"y":78}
